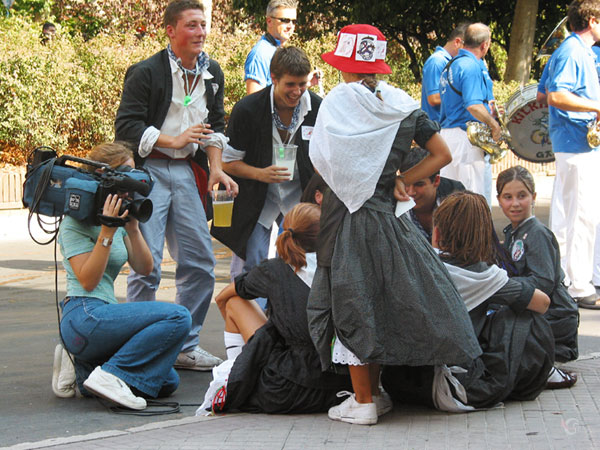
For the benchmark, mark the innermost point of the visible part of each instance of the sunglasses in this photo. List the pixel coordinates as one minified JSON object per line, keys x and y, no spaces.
{"x":285,"y":20}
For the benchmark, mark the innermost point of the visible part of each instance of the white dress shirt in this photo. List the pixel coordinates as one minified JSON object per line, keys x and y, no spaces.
{"x":281,"y":197}
{"x":180,"y":118}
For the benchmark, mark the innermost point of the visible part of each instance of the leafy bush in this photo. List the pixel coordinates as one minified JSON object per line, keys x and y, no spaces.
{"x":65,"y":94}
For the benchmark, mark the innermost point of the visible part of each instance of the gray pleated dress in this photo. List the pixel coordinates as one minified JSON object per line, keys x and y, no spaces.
{"x":379,"y":284}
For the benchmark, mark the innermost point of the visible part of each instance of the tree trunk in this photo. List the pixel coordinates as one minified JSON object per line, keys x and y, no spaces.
{"x":520,"y":54}
{"x":208,"y":5}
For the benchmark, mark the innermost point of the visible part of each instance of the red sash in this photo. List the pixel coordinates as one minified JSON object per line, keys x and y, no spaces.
{"x":199,"y":173}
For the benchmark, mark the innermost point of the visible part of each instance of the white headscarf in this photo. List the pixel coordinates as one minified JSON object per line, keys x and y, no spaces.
{"x":353,"y":136}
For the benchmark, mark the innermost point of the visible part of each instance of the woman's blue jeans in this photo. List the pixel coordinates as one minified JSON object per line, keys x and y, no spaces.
{"x":137,"y":342}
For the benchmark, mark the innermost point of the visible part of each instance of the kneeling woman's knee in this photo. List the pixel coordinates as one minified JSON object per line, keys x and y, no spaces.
{"x":182,"y":317}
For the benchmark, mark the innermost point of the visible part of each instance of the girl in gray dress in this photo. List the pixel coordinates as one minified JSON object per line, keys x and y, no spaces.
{"x":380,"y":294}
{"x":535,"y":254}
{"x":516,"y":340}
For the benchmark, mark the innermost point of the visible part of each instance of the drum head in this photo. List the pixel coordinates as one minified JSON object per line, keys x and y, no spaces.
{"x":527,"y":122}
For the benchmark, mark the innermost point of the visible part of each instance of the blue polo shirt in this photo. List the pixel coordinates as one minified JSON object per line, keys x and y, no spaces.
{"x":489,"y":83}
{"x":467,"y":76}
{"x":258,"y":62}
{"x":572,"y":68}
{"x":542,"y":84}
{"x":432,"y":69}
{"x":596,"y":51}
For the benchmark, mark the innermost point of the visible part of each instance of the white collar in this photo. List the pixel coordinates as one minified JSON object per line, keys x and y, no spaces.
{"x":305,"y":104}
{"x":307,"y":272}
{"x":206,"y":75}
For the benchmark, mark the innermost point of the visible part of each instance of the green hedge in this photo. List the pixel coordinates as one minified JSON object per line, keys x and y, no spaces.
{"x":65,"y":94}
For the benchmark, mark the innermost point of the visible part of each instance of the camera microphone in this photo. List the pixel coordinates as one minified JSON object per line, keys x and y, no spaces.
{"x":129,"y":184}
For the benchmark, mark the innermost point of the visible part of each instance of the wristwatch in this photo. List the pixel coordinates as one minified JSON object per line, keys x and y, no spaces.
{"x":106,"y":242}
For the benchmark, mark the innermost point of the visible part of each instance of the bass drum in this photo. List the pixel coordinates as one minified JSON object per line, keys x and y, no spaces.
{"x":527,"y":122}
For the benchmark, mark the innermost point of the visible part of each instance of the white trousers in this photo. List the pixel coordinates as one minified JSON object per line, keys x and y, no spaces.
{"x":596,"y":275}
{"x":574,"y":217}
{"x":468,"y":165}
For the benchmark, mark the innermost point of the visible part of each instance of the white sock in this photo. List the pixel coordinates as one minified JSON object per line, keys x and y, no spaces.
{"x":233,"y":344}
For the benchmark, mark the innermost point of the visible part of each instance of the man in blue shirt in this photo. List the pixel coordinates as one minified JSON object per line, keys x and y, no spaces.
{"x":432,"y":69}
{"x":466,"y":94}
{"x":281,"y":21}
{"x":573,"y":93}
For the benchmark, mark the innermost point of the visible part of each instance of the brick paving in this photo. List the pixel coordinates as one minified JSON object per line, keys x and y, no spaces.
{"x":566,"y":418}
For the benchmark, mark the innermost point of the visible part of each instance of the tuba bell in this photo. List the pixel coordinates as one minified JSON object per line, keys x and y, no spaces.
{"x":593,"y":134}
{"x":559,"y":34}
{"x":480,"y":135}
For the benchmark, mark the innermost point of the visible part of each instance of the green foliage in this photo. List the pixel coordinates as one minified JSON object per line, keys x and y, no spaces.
{"x":65,"y":94}
{"x":418,"y":25}
{"x":32,"y":8}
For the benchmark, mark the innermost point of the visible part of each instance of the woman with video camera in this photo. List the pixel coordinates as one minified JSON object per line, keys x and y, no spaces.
{"x":122,"y":351}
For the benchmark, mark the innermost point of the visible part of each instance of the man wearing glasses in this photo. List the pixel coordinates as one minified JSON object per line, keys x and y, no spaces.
{"x":281,"y":21}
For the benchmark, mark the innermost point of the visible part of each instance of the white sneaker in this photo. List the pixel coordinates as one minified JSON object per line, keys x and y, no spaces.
{"x":112,"y":388}
{"x":63,"y":374}
{"x":197,"y":359}
{"x":383,"y":402}
{"x":353,"y":412}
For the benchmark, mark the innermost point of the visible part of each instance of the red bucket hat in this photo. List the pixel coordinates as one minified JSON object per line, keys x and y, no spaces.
{"x":360,"y":49}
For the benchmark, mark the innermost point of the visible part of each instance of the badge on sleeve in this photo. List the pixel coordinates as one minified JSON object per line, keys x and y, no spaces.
{"x":518,"y":250}
{"x":307,"y":132}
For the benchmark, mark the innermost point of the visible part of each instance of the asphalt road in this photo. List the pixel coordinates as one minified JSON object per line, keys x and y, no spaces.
{"x":30,"y":412}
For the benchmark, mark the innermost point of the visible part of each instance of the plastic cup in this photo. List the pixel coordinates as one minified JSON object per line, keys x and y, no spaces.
{"x":285,"y":156}
{"x":222,"y":208}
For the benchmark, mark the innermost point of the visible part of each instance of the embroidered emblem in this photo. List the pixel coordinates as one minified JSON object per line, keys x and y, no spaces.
{"x":365,"y":47}
{"x":518,"y":250}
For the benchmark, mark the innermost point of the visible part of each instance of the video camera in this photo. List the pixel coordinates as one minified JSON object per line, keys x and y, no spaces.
{"x":54,"y":188}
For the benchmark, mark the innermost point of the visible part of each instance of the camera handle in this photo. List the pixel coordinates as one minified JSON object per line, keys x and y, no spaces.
{"x":61,"y":160}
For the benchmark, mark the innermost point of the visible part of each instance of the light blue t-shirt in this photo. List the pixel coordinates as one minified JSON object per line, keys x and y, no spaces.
{"x":258,"y":62}
{"x":572,"y":68}
{"x":467,"y":76}
{"x":432,"y":69}
{"x":76,"y":238}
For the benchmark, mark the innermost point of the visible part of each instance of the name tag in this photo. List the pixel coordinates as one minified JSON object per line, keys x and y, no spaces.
{"x":307,"y":133}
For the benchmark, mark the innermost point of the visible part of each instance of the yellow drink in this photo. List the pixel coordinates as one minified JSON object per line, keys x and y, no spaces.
{"x":222,"y":213}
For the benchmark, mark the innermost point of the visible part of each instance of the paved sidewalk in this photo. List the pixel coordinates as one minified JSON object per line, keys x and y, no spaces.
{"x":29,"y":412}
{"x":567,"y":418}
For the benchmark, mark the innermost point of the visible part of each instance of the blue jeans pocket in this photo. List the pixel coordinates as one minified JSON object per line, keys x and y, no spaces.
{"x":75,"y":341}
{"x":78,"y":324}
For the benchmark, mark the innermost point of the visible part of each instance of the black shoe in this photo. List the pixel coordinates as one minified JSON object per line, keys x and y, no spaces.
{"x":588,"y":302}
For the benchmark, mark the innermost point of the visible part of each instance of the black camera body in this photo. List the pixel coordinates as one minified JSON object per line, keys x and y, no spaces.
{"x":54,"y":188}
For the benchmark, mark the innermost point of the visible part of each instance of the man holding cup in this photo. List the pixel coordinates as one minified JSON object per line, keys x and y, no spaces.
{"x":269,"y":134}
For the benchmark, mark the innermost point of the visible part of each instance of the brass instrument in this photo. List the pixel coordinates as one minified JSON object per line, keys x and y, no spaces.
{"x":593,"y":134}
{"x":559,"y":34}
{"x":480,"y":135}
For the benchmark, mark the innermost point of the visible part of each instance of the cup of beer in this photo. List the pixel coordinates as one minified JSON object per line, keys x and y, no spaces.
{"x":222,"y":208}
{"x":285,"y":156}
